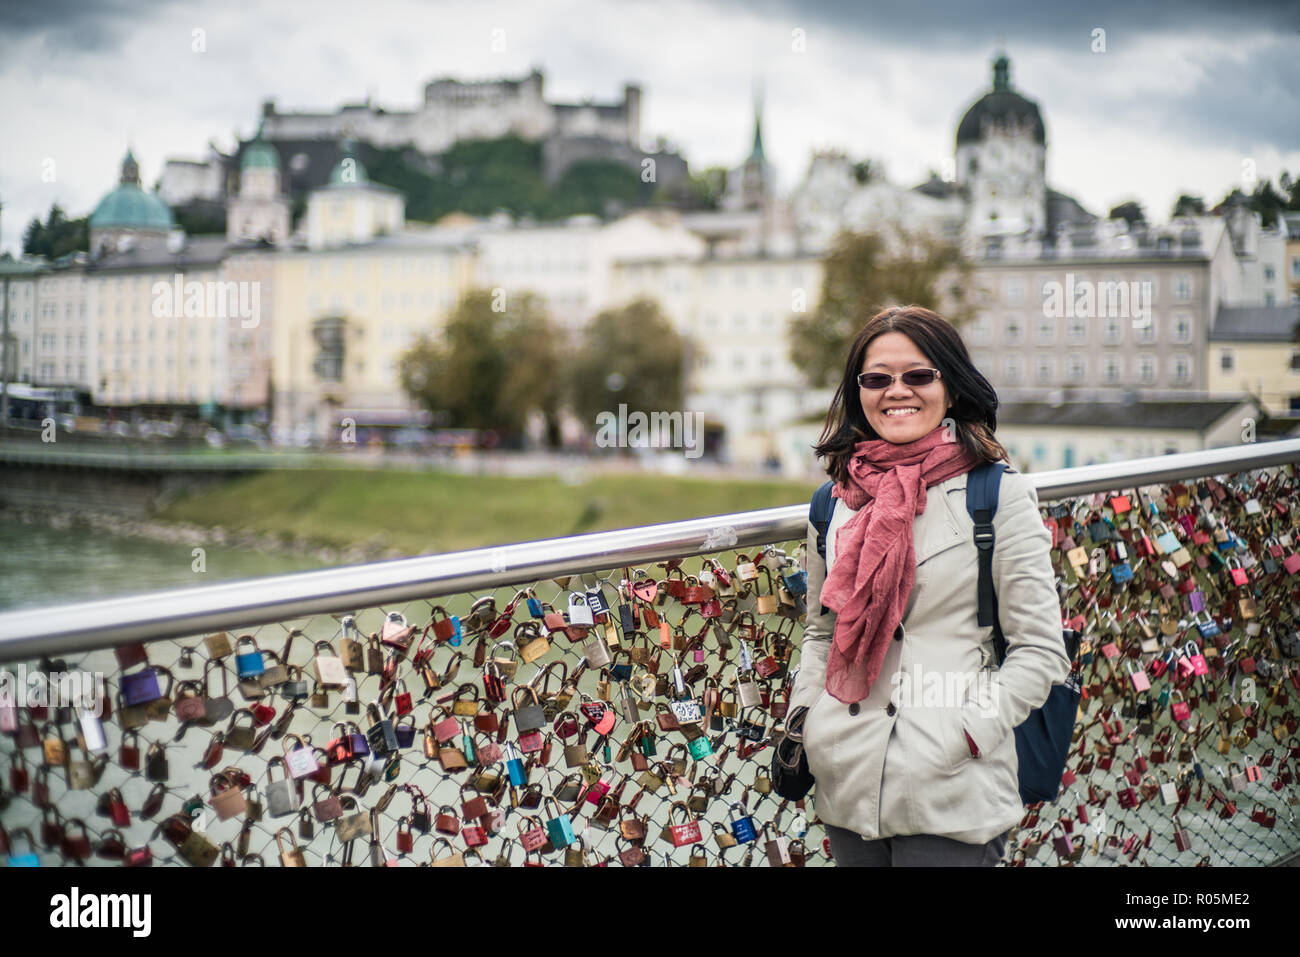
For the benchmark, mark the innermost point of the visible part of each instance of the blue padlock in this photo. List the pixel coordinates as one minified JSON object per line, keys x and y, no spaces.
{"x":22,"y":860}
{"x":742,"y":828}
{"x":515,"y":766}
{"x":559,"y":828}
{"x":248,"y":664}
{"x":596,"y":601}
{"x":140,"y":687}
{"x":535,"y":607}
{"x":796,"y":582}
{"x":1121,"y":572}
{"x":454,"y":641}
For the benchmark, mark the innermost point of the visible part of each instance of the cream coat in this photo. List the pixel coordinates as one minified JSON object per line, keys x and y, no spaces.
{"x":909,"y":770}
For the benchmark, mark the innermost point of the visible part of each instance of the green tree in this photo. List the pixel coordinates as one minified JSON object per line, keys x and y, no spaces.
{"x":864,"y":273}
{"x":57,"y":236}
{"x":494,"y":363}
{"x":632,"y":355}
{"x":1188,"y":206}
{"x":1131,"y":212}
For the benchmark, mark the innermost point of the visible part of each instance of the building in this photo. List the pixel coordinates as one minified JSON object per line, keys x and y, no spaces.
{"x":20,"y":301}
{"x":260,"y":211}
{"x":351,"y":208}
{"x":454,"y":110}
{"x":735,"y":314}
{"x":1291,"y":223}
{"x":1255,"y":350}
{"x":128,"y":213}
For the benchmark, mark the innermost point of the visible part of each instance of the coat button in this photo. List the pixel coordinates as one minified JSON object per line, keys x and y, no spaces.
{"x":891,"y":709}
{"x":853,"y":708}
{"x":898,"y":633}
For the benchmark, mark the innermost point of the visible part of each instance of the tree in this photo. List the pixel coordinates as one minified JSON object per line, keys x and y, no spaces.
{"x":631,"y":355}
{"x":1130,"y":212}
{"x":1188,"y":206}
{"x":707,"y":187}
{"x":57,"y":237}
{"x":866,"y":272}
{"x":495,"y":362}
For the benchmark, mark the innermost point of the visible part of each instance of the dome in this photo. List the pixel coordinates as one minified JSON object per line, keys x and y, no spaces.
{"x":342,"y":175}
{"x":260,"y":155}
{"x":1000,"y":107}
{"x":130,"y":207}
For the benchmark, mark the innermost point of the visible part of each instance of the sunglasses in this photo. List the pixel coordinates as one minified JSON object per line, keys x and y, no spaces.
{"x":883,"y":380}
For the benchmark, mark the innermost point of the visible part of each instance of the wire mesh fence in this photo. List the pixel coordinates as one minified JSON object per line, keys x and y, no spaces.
{"x":628,"y":717}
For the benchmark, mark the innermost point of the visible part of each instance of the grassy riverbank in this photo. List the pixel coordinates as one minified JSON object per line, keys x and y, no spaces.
{"x":423,"y":513}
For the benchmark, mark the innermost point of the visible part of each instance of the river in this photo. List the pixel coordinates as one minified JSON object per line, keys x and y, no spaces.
{"x":40,"y":565}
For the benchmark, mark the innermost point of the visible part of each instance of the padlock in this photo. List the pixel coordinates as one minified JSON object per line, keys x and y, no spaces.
{"x":381,"y":735}
{"x":248,"y":664}
{"x":226,"y":798}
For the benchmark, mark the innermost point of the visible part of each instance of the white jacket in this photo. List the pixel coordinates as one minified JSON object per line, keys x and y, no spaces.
{"x":907,"y":769}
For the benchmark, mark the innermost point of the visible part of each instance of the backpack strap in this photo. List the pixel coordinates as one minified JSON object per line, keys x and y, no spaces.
{"x":982,"y":485}
{"x":819,"y":513}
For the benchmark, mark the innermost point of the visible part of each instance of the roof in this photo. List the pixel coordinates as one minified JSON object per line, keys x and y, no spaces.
{"x":1194,"y":415}
{"x":129,"y":206}
{"x":1255,"y":324}
{"x":1063,"y":209}
{"x":998,"y":107}
{"x":197,"y":251}
{"x":261,"y":155}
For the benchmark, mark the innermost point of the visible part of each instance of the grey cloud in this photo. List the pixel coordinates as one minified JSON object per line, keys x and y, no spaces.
{"x":75,"y":25}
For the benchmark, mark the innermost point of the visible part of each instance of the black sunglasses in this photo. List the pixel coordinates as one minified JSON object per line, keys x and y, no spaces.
{"x":883,"y":380}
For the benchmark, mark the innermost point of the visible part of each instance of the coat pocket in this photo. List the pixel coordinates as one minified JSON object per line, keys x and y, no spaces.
{"x":817,"y":736}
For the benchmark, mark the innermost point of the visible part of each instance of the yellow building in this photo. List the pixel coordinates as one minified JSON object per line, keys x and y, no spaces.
{"x":344,"y":316}
{"x":1252,"y":350}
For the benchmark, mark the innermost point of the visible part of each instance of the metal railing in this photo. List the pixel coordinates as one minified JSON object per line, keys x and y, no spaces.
{"x":176,"y":613}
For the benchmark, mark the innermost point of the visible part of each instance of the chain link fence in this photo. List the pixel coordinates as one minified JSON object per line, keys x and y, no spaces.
{"x":411,"y":735}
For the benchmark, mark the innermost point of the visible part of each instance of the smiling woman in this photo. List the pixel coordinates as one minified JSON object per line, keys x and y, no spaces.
{"x":902,"y":780}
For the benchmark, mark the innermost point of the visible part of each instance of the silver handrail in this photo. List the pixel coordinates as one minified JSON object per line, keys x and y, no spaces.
{"x":175,"y":613}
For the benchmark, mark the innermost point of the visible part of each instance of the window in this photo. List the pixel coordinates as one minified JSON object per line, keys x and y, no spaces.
{"x":1268,"y":273}
{"x":1181,"y":366}
{"x":1112,"y":333}
{"x":1077,"y":330}
{"x":1045,"y":369}
{"x":982,"y":329}
{"x":1182,"y":288}
{"x":1111,"y":369}
{"x":1014,"y":290}
{"x":1146,"y":330}
{"x":1045,"y":329}
{"x":1146,"y":367}
{"x":1013,"y":369}
{"x":1076,"y":367}
{"x":1182,"y":327}
{"x":1013,"y":331}
{"x":1295,"y":267}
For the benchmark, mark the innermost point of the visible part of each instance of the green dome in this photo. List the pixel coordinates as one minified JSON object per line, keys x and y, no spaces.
{"x":1000,"y":106}
{"x":260,"y":155}
{"x":131,"y":207}
{"x":357,"y":176}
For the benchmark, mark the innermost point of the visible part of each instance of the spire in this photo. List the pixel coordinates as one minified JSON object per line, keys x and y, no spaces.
{"x":757,"y":152}
{"x":1001,"y":74}
{"x":130,"y":170}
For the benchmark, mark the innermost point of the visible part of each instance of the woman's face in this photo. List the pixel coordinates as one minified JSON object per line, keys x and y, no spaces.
{"x":895,"y":353}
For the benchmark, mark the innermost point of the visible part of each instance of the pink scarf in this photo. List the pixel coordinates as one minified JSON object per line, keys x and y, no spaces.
{"x":875,"y":563}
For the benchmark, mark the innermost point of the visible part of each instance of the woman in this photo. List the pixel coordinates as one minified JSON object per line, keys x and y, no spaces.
{"x":909,"y":727}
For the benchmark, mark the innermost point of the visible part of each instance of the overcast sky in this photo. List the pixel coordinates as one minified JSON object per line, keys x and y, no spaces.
{"x":1183,"y":97}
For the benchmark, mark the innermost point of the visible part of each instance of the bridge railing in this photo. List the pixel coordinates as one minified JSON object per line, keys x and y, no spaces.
{"x":181,"y":726}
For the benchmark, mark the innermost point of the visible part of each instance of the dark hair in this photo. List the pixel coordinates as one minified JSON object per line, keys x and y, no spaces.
{"x":974,"y":403}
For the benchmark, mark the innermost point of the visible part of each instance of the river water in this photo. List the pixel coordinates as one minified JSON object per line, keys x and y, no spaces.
{"x":40,"y":565}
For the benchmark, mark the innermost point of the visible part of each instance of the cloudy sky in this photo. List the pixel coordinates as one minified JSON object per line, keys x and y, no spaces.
{"x":1185,"y":96}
